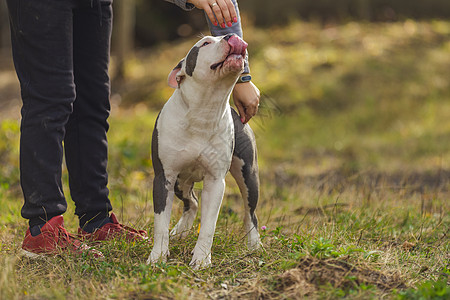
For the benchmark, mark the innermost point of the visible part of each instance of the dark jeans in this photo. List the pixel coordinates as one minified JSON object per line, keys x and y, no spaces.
{"x":61,"y":55}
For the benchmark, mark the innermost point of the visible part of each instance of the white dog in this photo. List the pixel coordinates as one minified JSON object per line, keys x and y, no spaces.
{"x":197,"y":136}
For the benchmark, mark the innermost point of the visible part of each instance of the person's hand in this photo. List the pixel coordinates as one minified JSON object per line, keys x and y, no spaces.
{"x":223,"y":9}
{"x":246,"y":98}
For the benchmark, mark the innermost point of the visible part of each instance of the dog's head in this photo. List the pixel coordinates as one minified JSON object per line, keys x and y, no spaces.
{"x":211,"y":59}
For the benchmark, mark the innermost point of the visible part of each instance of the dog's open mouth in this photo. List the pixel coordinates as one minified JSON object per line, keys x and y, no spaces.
{"x":236,"y":53}
{"x":230,"y":57}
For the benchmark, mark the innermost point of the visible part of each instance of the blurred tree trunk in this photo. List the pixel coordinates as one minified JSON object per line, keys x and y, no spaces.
{"x":123,"y":34}
{"x":5,"y":41}
{"x":364,"y":9}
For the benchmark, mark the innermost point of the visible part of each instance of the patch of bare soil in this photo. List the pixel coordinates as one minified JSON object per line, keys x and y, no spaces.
{"x":310,"y":275}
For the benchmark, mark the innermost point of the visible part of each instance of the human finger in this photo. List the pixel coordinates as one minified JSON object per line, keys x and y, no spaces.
{"x":250,"y":112}
{"x":206,"y":6}
{"x":232,"y":11}
{"x":226,"y":16}
{"x":241,"y":111}
{"x":210,"y":14}
{"x":217,"y":9}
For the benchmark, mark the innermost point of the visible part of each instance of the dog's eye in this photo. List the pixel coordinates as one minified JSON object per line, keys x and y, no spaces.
{"x":205,"y":44}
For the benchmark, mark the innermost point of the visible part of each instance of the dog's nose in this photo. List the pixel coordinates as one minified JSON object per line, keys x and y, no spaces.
{"x":227,"y":37}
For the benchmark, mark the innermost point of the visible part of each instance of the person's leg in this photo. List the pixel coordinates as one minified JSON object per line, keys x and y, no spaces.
{"x":41,"y":34}
{"x":85,"y":142}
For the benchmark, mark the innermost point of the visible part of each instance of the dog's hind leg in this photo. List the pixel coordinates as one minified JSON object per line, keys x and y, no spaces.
{"x":244,"y":169}
{"x":249,"y":187}
{"x":185,"y":192}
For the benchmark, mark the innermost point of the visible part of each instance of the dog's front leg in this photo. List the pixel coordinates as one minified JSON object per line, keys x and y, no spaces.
{"x":212,"y":195}
{"x":163,"y":193}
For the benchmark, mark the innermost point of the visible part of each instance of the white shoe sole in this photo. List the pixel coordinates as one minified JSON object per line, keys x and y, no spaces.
{"x":28,"y":254}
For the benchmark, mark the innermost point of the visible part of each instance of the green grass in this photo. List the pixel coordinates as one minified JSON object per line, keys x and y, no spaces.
{"x":354,"y":147}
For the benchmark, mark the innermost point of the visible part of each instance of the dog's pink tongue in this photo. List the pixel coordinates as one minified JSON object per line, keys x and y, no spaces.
{"x":238,"y":46}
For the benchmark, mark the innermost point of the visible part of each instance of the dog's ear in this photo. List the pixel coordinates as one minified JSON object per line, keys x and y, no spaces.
{"x":176,"y":76}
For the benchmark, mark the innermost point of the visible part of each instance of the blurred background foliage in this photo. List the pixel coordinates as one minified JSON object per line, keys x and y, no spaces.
{"x":145,"y":23}
{"x":148,"y":23}
{"x":157,"y":20}
{"x":347,"y":85}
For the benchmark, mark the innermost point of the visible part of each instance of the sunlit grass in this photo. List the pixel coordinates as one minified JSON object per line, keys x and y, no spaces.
{"x":354,"y":149}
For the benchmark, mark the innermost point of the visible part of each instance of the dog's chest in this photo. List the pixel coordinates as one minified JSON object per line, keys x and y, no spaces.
{"x":195,"y":147}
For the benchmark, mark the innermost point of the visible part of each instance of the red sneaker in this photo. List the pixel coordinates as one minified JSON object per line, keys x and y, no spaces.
{"x":114,"y":230}
{"x":54,"y":239}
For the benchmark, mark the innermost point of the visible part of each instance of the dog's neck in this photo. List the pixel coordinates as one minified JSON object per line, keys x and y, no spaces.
{"x":205,"y":105}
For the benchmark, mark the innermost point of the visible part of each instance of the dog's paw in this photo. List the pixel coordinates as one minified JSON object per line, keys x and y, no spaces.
{"x":174,"y":231}
{"x":156,"y":257}
{"x":254,"y":244}
{"x":254,"y":240}
{"x":198,"y":263}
